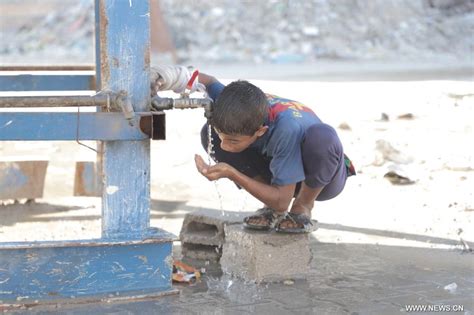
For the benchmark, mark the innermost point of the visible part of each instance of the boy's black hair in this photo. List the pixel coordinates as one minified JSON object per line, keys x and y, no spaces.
{"x":240,"y":109}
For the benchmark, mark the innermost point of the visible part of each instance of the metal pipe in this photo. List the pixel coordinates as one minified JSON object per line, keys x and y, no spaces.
{"x":160,"y":104}
{"x":46,"y":67}
{"x":182,"y":103}
{"x":56,"y":101}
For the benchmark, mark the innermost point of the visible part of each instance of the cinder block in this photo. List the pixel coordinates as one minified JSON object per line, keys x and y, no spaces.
{"x":206,"y":227}
{"x":22,"y":179}
{"x":202,"y":234}
{"x":201,"y":252}
{"x":265,"y":257}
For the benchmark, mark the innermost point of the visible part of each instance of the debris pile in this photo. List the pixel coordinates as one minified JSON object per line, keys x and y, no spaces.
{"x":272,"y":31}
{"x":67,"y":33}
{"x":184,"y":273}
{"x":297,"y":31}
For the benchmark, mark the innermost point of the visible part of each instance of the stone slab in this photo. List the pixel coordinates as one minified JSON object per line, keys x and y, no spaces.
{"x":265,"y":257}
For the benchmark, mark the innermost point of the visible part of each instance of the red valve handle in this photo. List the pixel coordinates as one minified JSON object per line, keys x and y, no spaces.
{"x":191,"y":81}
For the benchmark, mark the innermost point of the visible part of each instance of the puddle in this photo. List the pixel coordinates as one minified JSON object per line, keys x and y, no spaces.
{"x":235,"y":290}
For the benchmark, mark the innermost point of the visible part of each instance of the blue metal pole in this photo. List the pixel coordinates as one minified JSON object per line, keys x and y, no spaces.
{"x":124,"y":45}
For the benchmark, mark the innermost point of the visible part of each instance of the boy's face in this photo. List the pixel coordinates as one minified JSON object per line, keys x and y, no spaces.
{"x":238,"y":143}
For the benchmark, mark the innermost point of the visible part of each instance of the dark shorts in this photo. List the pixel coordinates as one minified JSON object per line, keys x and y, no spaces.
{"x":322,"y":154}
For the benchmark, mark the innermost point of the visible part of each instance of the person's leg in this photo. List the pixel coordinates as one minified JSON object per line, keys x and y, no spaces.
{"x":323,"y":160}
{"x":325,"y":172}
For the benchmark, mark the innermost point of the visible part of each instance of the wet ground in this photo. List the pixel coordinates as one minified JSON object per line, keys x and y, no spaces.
{"x":344,"y":279}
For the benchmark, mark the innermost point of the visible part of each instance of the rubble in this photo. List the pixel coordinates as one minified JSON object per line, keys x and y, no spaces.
{"x":344,"y":126}
{"x":386,"y":152}
{"x":407,"y":116}
{"x":271,"y":31}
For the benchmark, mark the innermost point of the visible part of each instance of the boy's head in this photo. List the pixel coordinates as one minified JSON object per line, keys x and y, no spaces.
{"x":239,"y":114}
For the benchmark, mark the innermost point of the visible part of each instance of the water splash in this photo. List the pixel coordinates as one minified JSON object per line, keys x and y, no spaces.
{"x":236,"y":290}
{"x":210,"y":159}
{"x":210,"y":146}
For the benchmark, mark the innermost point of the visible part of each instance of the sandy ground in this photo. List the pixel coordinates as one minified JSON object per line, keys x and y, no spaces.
{"x":437,"y":210}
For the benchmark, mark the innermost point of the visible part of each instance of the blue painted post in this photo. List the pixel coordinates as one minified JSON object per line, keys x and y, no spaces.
{"x":131,"y":259}
{"x":123,"y":37}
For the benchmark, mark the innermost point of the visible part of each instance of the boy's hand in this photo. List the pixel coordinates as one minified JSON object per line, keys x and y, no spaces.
{"x":170,"y":77}
{"x":214,"y":172}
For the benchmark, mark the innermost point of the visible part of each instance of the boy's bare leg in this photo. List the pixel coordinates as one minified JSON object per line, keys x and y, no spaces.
{"x":303,"y":204}
{"x":259,"y":220}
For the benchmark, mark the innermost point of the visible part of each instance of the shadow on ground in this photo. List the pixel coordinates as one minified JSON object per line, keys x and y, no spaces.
{"x":31,"y":212}
{"x":164,"y":209}
{"x":37,"y":211}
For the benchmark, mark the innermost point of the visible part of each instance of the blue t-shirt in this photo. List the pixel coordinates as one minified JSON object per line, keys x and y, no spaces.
{"x":287,"y":123}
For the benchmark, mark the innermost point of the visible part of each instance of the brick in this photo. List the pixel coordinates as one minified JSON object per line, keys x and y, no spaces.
{"x":22,"y":179}
{"x":265,"y":257}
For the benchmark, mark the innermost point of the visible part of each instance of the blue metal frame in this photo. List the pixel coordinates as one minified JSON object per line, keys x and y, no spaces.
{"x":31,"y":126}
{"x":131,"y":257}
{"x":52,"y":81}
{"x":90,"y":269}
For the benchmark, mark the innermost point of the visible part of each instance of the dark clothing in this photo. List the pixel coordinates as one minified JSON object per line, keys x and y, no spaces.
{"x":296,"y":147}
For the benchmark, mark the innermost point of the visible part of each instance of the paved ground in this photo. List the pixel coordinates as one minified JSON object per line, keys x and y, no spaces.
{"x":379,"y":246}
{"x":344,"y":279}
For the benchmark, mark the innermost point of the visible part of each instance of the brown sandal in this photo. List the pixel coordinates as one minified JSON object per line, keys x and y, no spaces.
{"x":270,"y":216}
{"x":303,"y":223}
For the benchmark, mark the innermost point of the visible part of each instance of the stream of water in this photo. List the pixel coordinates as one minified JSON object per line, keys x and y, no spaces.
{"x":210,"y":159}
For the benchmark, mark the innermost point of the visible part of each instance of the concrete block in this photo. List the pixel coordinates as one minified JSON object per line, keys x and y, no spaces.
{"x":202,"y":234}
{"x":265,"y":257}
{"x":206,"y":227}
{"x":22,"y":179}
{"x":201,"y":252}
{"x":86,"y":180}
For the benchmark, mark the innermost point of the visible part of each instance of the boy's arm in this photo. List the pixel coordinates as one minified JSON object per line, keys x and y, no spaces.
{"x":206,"y":79}
{"x":176,"y":78}
{"x":276,"y":197}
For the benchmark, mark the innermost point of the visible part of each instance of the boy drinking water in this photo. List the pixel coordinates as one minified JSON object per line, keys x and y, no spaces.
{"x":274,"y":148}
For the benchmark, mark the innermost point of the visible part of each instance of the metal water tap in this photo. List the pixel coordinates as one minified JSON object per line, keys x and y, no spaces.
{"x":189,"y":85}
{"x":159,"y":103}
{"x":164,"y":103}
